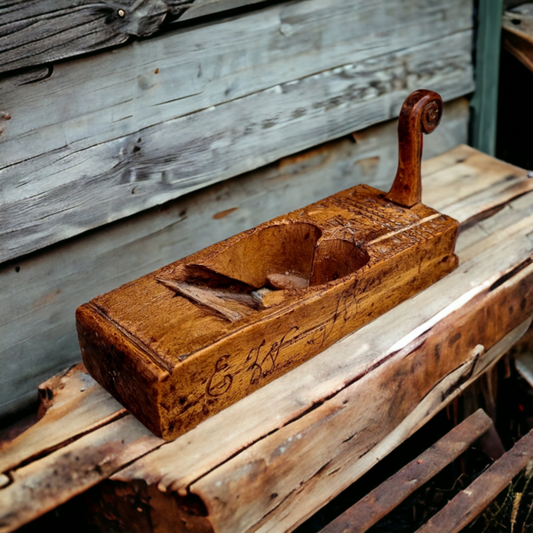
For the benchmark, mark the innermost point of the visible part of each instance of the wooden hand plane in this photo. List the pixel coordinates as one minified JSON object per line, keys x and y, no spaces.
{"x":182,"y":343}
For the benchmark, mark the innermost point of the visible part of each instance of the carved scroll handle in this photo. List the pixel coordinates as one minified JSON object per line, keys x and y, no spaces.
{"x":421,"y":113}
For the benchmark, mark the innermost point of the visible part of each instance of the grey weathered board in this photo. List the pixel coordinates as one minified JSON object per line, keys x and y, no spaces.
{"x":41,"y":292}
{"x":42,"y":31}
{"x":104,"y":137}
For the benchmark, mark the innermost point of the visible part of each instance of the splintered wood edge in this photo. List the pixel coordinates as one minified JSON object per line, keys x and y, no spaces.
{"x":64,"y":416}
{"x":86,"y":461}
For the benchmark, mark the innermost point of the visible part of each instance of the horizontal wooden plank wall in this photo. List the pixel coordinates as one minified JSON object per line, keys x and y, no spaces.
{"x":92,"y":140}
{"x":40,"y":292}
{"x":41,"y":31}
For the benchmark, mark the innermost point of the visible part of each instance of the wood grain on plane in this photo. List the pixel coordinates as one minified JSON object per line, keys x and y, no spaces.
{"x":182,"y":343}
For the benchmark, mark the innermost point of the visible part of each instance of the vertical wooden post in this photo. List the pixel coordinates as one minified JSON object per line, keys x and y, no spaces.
{"x":484,"y":104}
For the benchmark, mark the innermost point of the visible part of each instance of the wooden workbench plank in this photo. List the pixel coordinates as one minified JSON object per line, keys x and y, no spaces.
{"x":468,"y":178}
{"x":72,"y":404}
{"x":109,"y":500}
{"x":72,"y":470}
{"x":111,"y":135}
{"x":387,"y":496}
{"x":167,"y":469}
{"x":310,"y":400}
{"x":41,"y":292}
{"x":353,"y":425}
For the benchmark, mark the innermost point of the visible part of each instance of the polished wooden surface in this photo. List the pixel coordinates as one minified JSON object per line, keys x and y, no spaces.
{"x":421,"y":113}
{"x":204,"y":332}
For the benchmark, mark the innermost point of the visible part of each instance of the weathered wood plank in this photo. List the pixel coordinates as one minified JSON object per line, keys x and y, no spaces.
{"x":354,"y":425}
{"x":518,"y":33}
{"x":69,"y":470}
{"x":72,"y":404}
{"x":36,"y":31}
{"x":41,"y":292}
{"x":111,"y":135}
{"x":327,"y":399}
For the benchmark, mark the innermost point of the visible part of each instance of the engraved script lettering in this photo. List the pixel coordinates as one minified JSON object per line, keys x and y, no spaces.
{"x":261,"y":368}
{"x":255,"y":367}
{"x":217,"y":385}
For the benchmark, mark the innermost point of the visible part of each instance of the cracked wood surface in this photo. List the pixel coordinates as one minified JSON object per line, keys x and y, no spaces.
{"x":37,"y":32}
{"x":343,"y":410}
{"x":97,"y":139}
{"x":43,"y":290}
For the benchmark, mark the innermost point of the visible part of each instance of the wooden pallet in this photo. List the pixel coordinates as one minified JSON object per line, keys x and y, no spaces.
{"x":464,"y":507}
{"x":271,"y":460}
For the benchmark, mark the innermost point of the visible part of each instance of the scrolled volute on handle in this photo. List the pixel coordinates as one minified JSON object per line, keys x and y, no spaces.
{"x":421,"y":113}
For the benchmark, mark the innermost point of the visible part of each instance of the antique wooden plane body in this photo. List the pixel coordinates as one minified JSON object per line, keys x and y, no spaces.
{"x":190,"y":339}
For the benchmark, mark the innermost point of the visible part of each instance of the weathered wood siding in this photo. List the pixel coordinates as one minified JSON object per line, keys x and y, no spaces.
{"x":92,"y":140}
{"x":34,"y":32}
{"x":41,"y":291}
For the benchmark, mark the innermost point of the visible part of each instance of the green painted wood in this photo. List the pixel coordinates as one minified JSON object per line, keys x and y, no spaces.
{"x":484,"y":103}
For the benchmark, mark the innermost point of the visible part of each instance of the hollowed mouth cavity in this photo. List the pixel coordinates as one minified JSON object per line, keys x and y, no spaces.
{"x":272,"y":259}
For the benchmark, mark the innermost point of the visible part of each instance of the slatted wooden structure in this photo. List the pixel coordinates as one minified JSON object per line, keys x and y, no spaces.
{"x":112,"y":109}
{"x":518,"y":33}
{"x":274,"y":458}
{"x":465,"y":506}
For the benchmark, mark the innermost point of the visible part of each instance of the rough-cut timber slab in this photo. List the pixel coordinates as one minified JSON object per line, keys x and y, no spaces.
{"x":518,"y":33}
{"x":69,"y":470}
{"x":331,"y":410}
{"x":387,"y":496}
{"x":72,"y":404}
{"x":44,"y":31}
{"x":41,"y":292}
{"x":473,"y":500}
{"x":103,"y":137}
{"x":359,"y":425}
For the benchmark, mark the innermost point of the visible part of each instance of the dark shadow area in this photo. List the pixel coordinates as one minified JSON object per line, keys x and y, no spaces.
{"x":514,"y":142}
